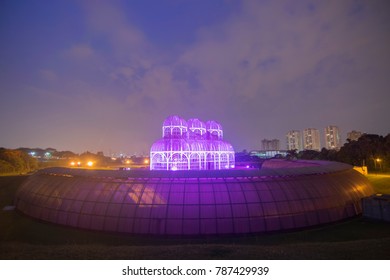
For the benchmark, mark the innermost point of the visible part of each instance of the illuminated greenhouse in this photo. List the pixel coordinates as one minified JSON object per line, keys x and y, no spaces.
{"x":282,"y":195}
{"x":191,"y":145}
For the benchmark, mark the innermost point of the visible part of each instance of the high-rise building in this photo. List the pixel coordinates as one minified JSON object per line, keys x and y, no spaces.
{"x":311,"y":139}
{"x":270,"y":145}
{"x":294,"y":140}
{"x":354,"y":135}
{"x":332,"y":137}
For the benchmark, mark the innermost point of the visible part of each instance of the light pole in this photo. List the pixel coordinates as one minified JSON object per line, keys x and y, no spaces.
{"x":379,"y":161}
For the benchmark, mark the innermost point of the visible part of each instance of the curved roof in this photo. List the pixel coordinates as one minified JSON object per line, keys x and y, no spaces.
{"x":215,"y":129}
{"x":194,"y":202}
{"x":197,"y":129}
{"x":219,"y":145}
{"x":170,"y":144}
{"x":213,"y":125}
{"x":198,"y":145}
{"x":174,"y":121}
{"x":194,"y":124}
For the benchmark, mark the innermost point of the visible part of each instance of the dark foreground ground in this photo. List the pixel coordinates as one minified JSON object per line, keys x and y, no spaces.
{"x":25,"y":238}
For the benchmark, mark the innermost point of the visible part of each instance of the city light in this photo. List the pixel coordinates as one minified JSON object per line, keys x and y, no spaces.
{"x":72,"y":163}
{"x":90,"y":163}
{"x":378,"y":163}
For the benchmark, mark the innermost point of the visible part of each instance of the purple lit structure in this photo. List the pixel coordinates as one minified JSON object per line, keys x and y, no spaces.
{"x":283,"y":195}
{"x":204,"y":196}
{"x":191,"y":145}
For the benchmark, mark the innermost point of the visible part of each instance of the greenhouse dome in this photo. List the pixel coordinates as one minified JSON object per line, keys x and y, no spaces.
{"x":214,"y":130}
{"x":191,"y":145}
{"x":197,"y":129}
{"x":283,"y":195}
{"x":174,"y":127}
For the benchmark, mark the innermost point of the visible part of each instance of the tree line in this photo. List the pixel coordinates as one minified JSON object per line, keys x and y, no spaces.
{"x":16,"y":161}
{"x":371,"y":150}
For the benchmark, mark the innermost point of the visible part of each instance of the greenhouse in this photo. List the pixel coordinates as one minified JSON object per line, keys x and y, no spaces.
{"x":283,"y":195}
{"x":191,"y":145}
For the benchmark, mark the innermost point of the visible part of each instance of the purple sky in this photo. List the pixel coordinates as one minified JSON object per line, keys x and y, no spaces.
{"x":103,"y":75}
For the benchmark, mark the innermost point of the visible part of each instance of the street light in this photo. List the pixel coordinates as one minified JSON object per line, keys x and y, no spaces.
{"x":379,"y":161}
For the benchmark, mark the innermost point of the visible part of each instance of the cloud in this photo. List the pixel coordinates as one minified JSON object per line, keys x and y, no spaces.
{"x":80,"y":51}
{"x":49,"y":75}
{"x":267,"y":68}
{"x":272,"y":42}
{"x":254,"y":54}
{"x":107,"y":20}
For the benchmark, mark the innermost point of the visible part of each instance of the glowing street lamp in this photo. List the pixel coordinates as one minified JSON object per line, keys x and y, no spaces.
{"x":90,"y":163}
{"x":379,"y":161}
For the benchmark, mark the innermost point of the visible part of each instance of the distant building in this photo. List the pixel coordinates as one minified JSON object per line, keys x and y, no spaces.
{"x":354,"y":135}
{"x":294,"y":140}
{"x":311,"y":139}
{"x":269,"y":154}
{"x":270,"y":145}
{"x":332,"y":137}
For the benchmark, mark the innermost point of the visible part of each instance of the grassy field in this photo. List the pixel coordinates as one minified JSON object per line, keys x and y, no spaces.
{"x":25,"y":238}
{"x":381,"y":182}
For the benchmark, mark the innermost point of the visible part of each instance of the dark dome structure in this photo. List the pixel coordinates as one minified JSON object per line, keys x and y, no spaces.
{"x":282,"y":195}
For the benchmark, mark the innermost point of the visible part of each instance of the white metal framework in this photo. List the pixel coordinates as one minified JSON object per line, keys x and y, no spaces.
{"x":191,"y":145}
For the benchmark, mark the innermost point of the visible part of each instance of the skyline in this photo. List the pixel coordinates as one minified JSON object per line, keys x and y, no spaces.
{"x":283,"y":144}
{"x":100,"y":76}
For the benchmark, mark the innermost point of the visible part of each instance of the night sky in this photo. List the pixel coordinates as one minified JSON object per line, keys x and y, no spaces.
{"x":103,"y":75}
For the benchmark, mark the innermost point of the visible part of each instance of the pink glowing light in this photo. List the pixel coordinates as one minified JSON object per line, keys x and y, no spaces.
{"x":191,"y":145}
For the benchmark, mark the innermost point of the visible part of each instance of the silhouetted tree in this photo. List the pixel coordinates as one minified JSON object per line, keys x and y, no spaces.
{"x":367,"y":149}
{"x":292,"y":154}
{"x":309,"y":155}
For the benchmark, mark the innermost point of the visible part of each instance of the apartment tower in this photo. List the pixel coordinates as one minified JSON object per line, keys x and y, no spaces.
{"x":311,"y":139}
{"x":270,"y":145}
{"x":332,"y":137}
{"x":294,"y":140}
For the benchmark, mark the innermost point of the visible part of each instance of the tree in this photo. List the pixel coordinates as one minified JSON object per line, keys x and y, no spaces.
{"x":6,"y":167}
{"x":309,"y":155}
{"x":366,"y":150}
{"x":16,"y":160}
{"x":292,"y":154}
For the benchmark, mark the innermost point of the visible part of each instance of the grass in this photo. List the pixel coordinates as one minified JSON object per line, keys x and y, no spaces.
{"x":24,"y":238}
{"x":381,"y":182}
